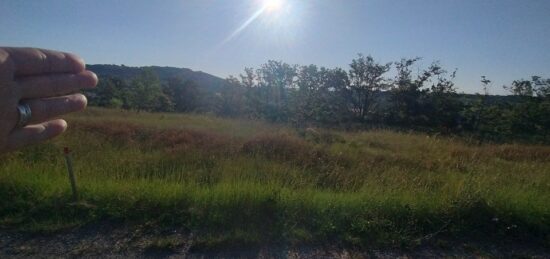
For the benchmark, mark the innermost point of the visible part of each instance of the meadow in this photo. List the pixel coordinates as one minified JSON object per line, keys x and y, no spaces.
{"x":243,"y":182}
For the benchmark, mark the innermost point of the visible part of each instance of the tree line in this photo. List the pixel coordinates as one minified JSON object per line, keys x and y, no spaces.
{"x":366,"y":95}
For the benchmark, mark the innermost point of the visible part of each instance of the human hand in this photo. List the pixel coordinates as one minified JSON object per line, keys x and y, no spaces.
{"x":46,"y":81}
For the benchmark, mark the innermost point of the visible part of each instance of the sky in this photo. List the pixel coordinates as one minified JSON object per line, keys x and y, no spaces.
{"x":502,"y":39}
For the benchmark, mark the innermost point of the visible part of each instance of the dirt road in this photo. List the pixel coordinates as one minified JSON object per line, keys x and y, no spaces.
{"x":109,"y":240}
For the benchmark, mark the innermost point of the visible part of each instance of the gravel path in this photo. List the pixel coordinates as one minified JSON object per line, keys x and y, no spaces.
{"x":107,"y":240}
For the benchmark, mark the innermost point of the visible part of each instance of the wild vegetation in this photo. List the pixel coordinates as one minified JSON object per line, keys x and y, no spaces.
{"x":243,"y":182}
{"x":368,"y":95}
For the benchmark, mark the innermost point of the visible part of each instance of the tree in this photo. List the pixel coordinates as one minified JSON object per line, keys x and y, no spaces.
{"x":529,"y":116}
{"x":366,"y":78}
{"x":537,"y":86}
{"x":474,"y":112}
{"x":185,"y":94}
{"x":248,"y":79}
{"x":274,"y":79}
{"x":147,"y":92}
{"x":542,"y":86}
{"x":444,"y":104}
{"x":231,"y":98}
{"x":416,"y":103}
{"x":332,"y":98}
{"x":305,"y":99}
{"x":407,"y":96}
{"x":321,"y":97}
{"x":110,"y":92}
{"x":524,"y":88}
{"x":164,"y":104}
{"x":253,"y":100}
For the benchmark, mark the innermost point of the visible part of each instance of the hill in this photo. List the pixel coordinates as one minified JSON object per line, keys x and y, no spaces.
{"x":204,"y":80}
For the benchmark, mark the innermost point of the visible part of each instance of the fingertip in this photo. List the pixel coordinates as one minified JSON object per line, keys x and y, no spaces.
{"x":95,"y":78}
{"x":82,"y":101}
{"x":77,"y":63}
{"x":77,"y":102}
{"x":56,"y":127}
{"x":63,"y":124}
{"x":90,"y":79}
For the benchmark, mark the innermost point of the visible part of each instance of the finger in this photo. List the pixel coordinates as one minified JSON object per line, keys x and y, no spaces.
{"x":6,"y":65}
{"x":31,"y":61}
{"x":55,"y":84}
{"x":34,"y":134}
{"x":46,"y":109}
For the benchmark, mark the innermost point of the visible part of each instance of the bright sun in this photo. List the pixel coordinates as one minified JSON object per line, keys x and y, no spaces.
{"x":271,"y":10}
{"x":273,"y":5}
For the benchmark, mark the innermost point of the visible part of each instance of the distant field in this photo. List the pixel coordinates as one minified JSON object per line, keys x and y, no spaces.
{"x":247,"y":182}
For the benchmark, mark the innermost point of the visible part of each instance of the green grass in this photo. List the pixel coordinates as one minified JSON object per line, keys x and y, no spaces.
{"x":240,"y":182}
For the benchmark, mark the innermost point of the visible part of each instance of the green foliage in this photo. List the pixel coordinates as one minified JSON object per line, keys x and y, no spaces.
{"x":408,"y":97}
{"x":321,"y":98}
{"x":525,"y":119}
{"x":147,"y":92}
{"x":110,"y":92}
{"x":185,"y":94}
{"x":537,"y":86}
{"x":366,"y":78}
{"x":274,"y":79}
{"x":363,"y":97}
{"x":232,"y":99}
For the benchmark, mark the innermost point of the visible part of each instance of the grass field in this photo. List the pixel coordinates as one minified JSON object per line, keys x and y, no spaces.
{"x":239,"y":182}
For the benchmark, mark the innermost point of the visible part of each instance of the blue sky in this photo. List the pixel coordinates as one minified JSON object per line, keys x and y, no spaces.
{"x":503,"y":39}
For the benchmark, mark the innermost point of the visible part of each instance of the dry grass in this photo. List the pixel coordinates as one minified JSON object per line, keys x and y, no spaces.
{"x":249,"y":181}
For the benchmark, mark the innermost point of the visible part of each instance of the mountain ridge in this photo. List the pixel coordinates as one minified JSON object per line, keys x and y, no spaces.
{"x":165,"y":73}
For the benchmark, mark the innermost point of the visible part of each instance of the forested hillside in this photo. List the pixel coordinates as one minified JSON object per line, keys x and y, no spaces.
{"x":369,"y":94}
{"x":206,"y":80}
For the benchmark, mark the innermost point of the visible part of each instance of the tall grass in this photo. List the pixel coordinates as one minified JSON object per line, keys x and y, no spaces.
{"x":241,"y":182}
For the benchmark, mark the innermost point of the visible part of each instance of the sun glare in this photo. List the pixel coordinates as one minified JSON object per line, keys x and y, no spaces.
{"x":273,"y":5}
{"x":269,"y":12}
